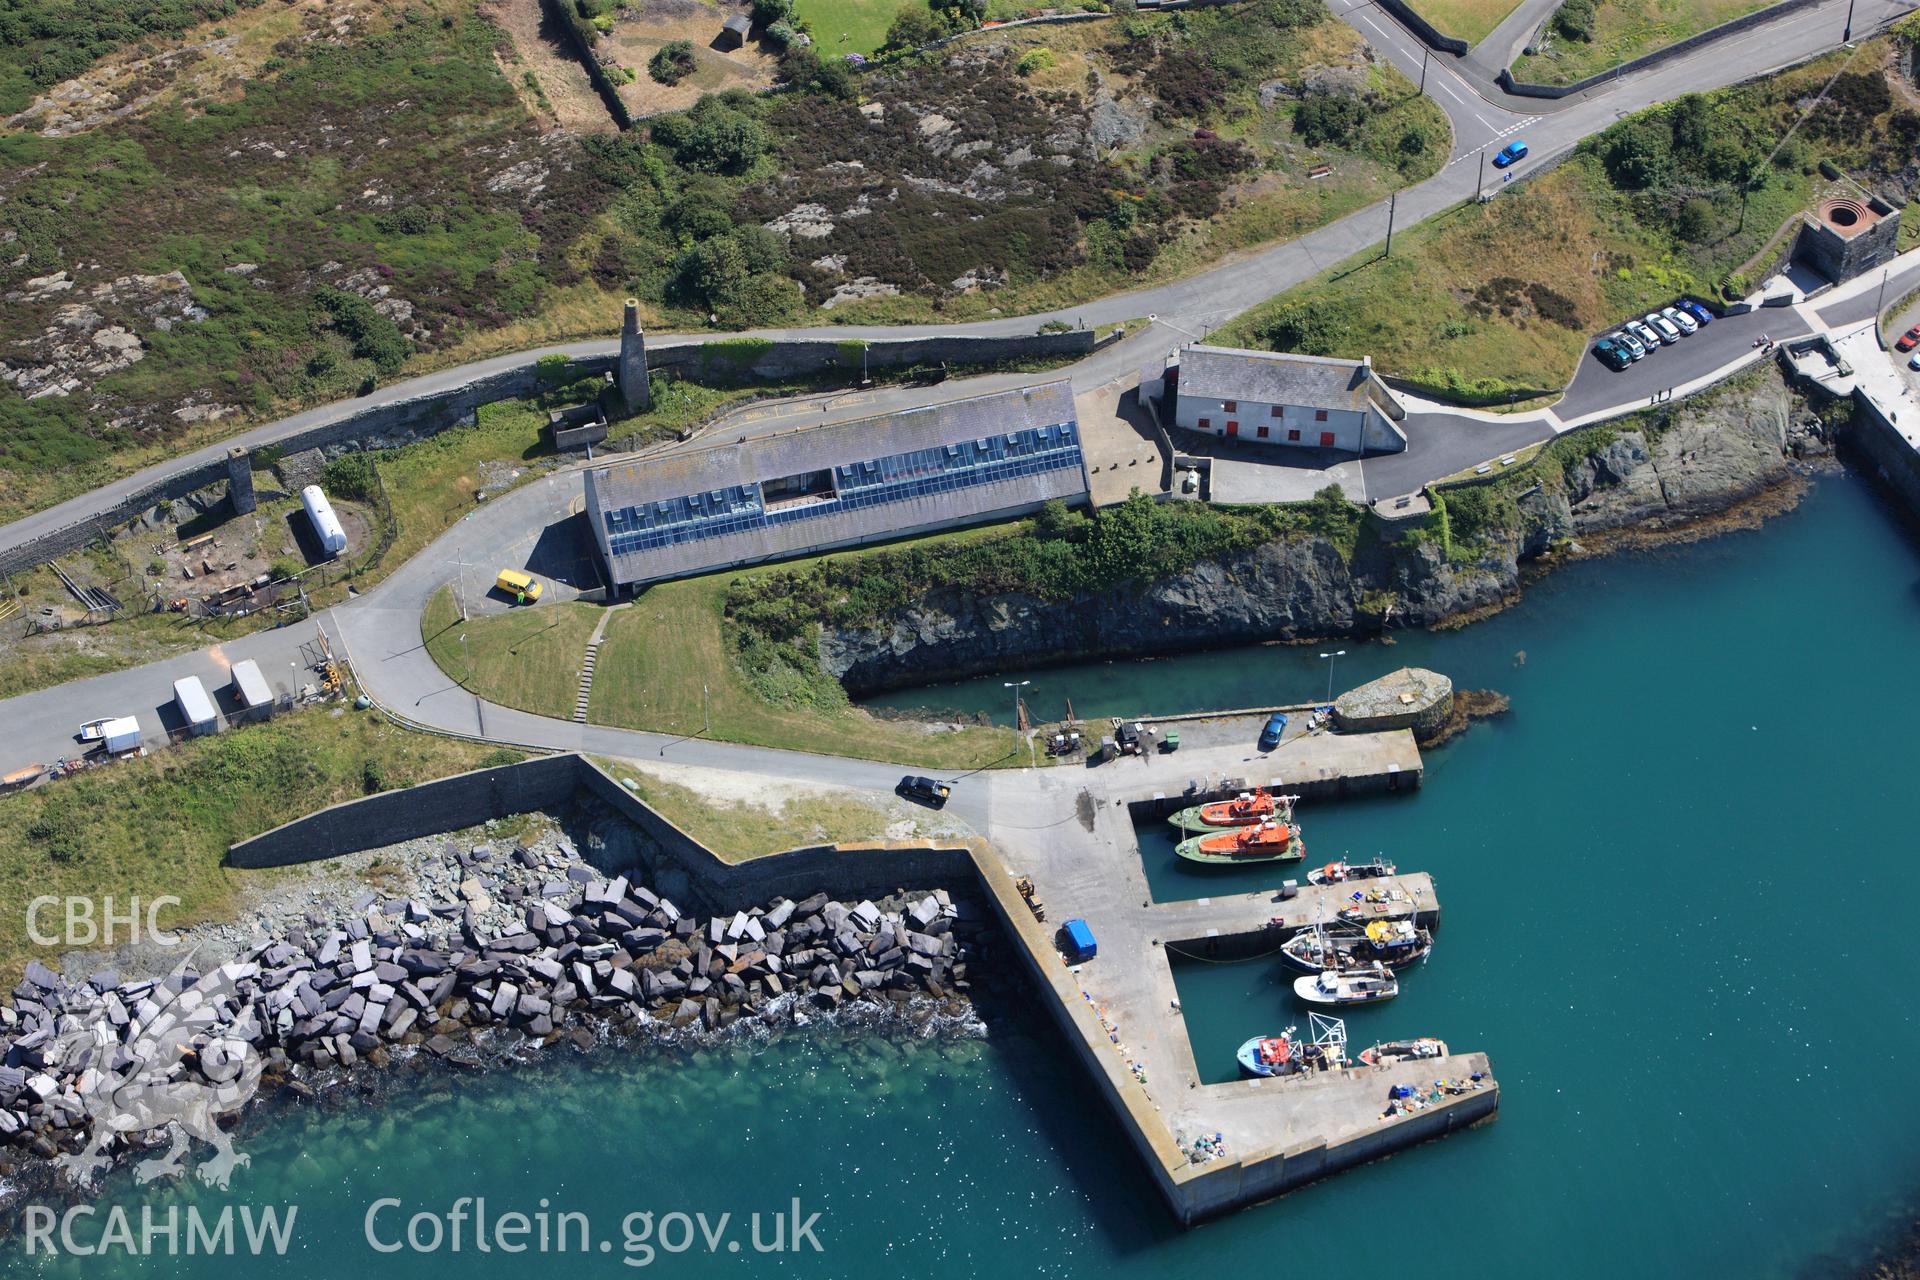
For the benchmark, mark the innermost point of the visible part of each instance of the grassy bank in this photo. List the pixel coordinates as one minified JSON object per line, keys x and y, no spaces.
{"x":1587,"y":37}
{"x":161,"y":825}
{"x":1469,"y":20}
{"x":738,"y":831}
{"x":1497,"y":299}
{"x":529,"y":658}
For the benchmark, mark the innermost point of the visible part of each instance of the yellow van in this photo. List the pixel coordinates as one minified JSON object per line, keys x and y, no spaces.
{"x":523,"y":587}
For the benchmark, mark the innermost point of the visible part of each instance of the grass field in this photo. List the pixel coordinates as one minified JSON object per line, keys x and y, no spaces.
{"x":1469,"y":20}
{"x":658,"y":654}
{"x":1623,"y":30}
{"x":1425,"y":314}
{"x":161,"y":825}
{"x":846,"y":26}
{"x":739,"y":831}
{"x":529,"y":658}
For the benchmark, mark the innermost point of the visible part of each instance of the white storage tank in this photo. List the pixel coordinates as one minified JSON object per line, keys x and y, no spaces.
{"x":196,"y":708}
{"x":326,"y":525}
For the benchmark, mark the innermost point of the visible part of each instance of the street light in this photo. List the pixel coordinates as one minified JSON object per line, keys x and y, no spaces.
{"x":1337,"y":653}
{"x":1016,"y":686}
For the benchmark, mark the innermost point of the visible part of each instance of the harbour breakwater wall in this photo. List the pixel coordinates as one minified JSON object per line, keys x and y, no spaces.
{"x":406,"y":418}
{"x":1660,"y":473}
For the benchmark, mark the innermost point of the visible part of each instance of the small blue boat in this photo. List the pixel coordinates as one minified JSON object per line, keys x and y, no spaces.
{"x":1270,"y":1055}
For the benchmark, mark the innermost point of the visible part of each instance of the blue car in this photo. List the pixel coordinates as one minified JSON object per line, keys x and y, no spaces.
{"x":1695,"y":310}
{"x":1270,"y":736}
{"x":1512,"y":153}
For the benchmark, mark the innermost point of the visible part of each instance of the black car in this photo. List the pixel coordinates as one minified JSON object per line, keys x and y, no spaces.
{"x":925,"y":790}
{"x":1612,"y":354}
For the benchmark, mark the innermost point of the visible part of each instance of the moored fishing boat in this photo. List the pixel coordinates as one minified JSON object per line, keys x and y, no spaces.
{"x":1404,"y":1051}
{"x":1369,"y":984}
{"x":1390,"y":942}
{"x":1270,"y":841}
{"x":1341,"y":872}
{"x":1244,"y":810}
{"x":1270,"y":1055}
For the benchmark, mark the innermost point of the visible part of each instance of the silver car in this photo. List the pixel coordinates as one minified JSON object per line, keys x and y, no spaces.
{"x":1680,"y":319}
{"x":1648,"y":338}
{"x":1634,"y":348}
{"x":1668,"y":331}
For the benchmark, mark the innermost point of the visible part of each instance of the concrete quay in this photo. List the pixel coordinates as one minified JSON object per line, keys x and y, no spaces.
{"x":1072,"y":832}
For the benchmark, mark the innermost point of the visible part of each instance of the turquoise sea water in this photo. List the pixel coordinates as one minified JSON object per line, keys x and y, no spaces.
{"x":1674,"y":884}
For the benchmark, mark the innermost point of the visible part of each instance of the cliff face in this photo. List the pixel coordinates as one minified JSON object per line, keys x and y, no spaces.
{"x":1708,"y":458}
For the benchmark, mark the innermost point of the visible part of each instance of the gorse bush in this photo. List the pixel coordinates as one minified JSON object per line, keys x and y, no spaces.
{"x":672,"y":62}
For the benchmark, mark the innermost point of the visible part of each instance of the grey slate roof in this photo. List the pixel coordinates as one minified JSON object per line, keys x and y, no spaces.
{"x":1272,"y":377}
{"x":821,"y":448}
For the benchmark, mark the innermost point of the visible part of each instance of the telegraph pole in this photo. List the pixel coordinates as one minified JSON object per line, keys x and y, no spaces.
{"x":1480,"y":187}
{"x":1392,"y":202}
{"x":1846,"y":37}
{"x":1426,"y":52}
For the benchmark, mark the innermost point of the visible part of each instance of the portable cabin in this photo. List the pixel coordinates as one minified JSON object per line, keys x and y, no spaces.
{"x":196,"y":708}
{"x":250,"y":688}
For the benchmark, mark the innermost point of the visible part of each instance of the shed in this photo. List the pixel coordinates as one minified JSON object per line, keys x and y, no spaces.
{"x":735,"y":30}
{"x":1079,"y":940}
{"x":196,"y":708}
{"x":250,"y":687}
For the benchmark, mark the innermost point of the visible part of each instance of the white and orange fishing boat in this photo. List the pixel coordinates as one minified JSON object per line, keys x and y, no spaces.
{"x":1247,"y":809}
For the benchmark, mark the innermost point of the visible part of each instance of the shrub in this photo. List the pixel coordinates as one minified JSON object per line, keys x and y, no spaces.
{"x":781,"y":35}
{"x":1034,"y":60}
{"x":351,"y":475}
{"x":1324,"y":119}
{"x":768,"y":12}
{"x":283,"y":567}
{"x":1696,"y":221}
{"x":1575,"y":19}
{"x":672,"y":62}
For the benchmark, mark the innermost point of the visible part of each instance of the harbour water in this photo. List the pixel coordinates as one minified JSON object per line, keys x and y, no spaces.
{"x":1675,"y":882}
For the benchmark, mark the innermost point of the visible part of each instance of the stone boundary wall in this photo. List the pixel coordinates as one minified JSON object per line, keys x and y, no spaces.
{"x":396,"y":422}
{"x":581,"y":37}
{"x":1527,"y":89}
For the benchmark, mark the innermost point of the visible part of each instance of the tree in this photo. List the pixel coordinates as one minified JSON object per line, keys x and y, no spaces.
{"x":672,"y":62}
{"x":722,"y":140}
{"x":914,"y":27}
{"x":1574,"y":20}
{"x":1695,"y":222}
{"x":768,"y":12}
{"x":1639,"y":155}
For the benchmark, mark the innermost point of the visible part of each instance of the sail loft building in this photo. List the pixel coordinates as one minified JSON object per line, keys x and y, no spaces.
{"x":1275,"y":398}
{"x":971,"y":461}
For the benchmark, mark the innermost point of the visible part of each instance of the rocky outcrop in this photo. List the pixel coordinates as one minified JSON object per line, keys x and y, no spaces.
{"x":1296,"y":589}
{"x":1410,"y":698}
{"x":1707,"y":457}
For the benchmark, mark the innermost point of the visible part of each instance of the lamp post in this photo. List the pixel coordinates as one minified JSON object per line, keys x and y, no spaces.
{"x":1337,"y":653}
{"x":1016,"y":686}
{"x":1846,"y":37}
{"x":1426,"y":52}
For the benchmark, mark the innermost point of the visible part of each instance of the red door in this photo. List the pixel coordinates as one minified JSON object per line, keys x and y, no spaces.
{"x":1233,"y":427}
{"x":1326,"y":439}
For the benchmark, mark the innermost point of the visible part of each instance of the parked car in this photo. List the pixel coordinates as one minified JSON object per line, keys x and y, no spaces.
{"x":1648,"y":338}
{"x":926,"y":790}
{"x":1634,"y":348}
{"x":1681,"y":320}
{"x":1908,"y":340}
{"x":1612,"y":354}
{"x":1913,"y":362}
{"x":1694,"y":309}
{"x":1512,"y":153}
{"x":1665,"y":328}
{"x":1270,"y":736}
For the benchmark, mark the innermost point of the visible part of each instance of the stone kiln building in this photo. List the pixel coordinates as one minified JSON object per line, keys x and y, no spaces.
{"x":985,"y":458}
{"x":1273,"y":398}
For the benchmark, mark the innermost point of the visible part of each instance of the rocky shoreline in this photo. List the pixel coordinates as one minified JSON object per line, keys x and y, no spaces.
{"x":1726,"y":460}
{"x":530,"y":947}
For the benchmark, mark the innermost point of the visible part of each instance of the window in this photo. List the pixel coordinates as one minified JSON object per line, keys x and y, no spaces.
{"x":1230,"y":406}
{"x":1276,"y":411}
{"x":1293,"y":434}
{"x":1263,"y":433}
{"x":1206,"y":424}
{"x":1319,"y":415}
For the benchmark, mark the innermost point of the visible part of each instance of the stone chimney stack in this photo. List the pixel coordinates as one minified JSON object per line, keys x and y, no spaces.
{"x":631,"y":375}
{"x":240,"y":480}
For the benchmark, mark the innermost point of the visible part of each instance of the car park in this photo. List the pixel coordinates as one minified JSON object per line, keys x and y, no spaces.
{"x":1694,"y":309}
{"x":1680,"y":320}
{"x":1512,"y":153}
{"x":1634,"y":348}
{"x":1668,"y":331}
{"x":926,"y":790}
{"x":1612,"y":354}
{"x":1908,"y":340}
{"x":1648,"y":338}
